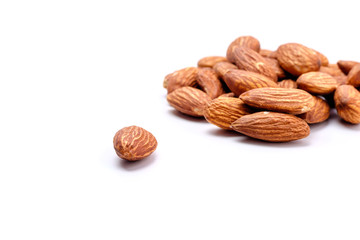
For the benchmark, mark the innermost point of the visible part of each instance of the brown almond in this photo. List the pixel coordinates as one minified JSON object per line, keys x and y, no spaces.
{"x":189,"y":100}
{"x":341,"y":80}
{"x":186,"y":77}
{"x":211,"y":61}
{"x":272,"y":126}
{"x":240,"y":81}
{"x":222,"y":67}
{"x":286,"y":100}
{"x":287,"y":83}
{"x":323,"y":59}
{"x":332,"y":69}
{"x":226,"y":95}
{"x":354,"y":76}
{"x":249,"y":60}
{"x":317,"y":83}
{"x":134,"y":143}
{"x":209,"y":82}
{"x":347,"y":103}
{"x":265,"y":53}
{"x":243,"y":41}
{"x":346,"y":66}
{"x":223,"y":111}
{"x":276,"y":67}
{"x":298,"y":59}
{"x":318,"y":113}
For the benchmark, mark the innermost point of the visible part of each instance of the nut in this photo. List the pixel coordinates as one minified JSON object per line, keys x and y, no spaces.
{"x":211,"y":61}
{"x":346,"y":66}
{"x":319,"y":113}
{"x":222,"y":67}
{"x":186,"y":77}
{"x":347,"y":103}
{"x":134,"y":143}
{"x":287,"y":83}
{"x":354,"y":76}
{"x":243,"y":41}
{"x":209,"y":82}
{"x":317,"y":83}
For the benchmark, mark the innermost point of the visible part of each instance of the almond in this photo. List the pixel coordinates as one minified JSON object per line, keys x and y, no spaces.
{"x":354,"y":76}
{"x":249,"y":60}
{"x":209,"y":82}
{"x":287,"y":83}
{"x":222,"y":67}
{"x":346,"y":66}
{"x":286,"y":100}
{"x":347,"y":103}
{"x":134,"y":143}
{"x":189,"y":100}
{"x":319,"y":113}
{"x":323,"y":59}
{"x":265,"y":53}
{"x":276,"y":67}
{"x":223,"y":111}
{"x":226,"y":95}
{"x":211,"y":61}
{"x":332,"y":69}
{"x":243,"y":41}
{"x":240,"y":81}
{"x":186,"y":77}
{"x":317,"y":83}
{"x":272,"y":126}
{"x":297,"y":59}
{"x":341,"y":80}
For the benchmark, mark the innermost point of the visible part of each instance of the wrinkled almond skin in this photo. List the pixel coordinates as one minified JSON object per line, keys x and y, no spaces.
{"x":319,"y":113}
{"x":332,"y":69}
{"x":272,"y":126}
{"x":286,"y":100}
{"x":346,"y":66}
{"x":189,"y":100}
{"x":297,"y":59}
{"x":265,"y":53}
{"x":134,"y":143}
{"x":223,"y":111}
{"x":276,"y":67}
{"x":354,"y":76}
{"x":211,"y":61}
{"x":287,"y":83}
{"x":240,"y":81}
{"x":249,"y":60}
{"x":222,"y":67}
{"x":209,"y":82}
{"x":243,"y":41}
{"x":226,"y":95}
{"x":323,"y":59}
{"x":347,"y":103}
{"x":186,"y":77}
{"x":317,"y":83}
{"x":341,"y":80}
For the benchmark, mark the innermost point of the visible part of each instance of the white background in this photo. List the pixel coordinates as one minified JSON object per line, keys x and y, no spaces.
{"x":72,"y":73}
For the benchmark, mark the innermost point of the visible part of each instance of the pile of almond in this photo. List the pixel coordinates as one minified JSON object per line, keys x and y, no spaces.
{"x":264,"y":94}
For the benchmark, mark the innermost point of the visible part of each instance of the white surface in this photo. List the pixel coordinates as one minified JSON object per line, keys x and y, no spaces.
{"x":74,"y":72}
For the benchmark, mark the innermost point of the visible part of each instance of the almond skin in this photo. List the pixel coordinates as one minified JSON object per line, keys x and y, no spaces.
{"x":211,"y":61}
{"x":189,"y":100}
{"x":319,"y":113}
{"x":134,"y":143}
{"x":354,"y":76}
{"x":243,"y":41}
{"x":276,"y":67}
{"x":272,"y":126}
{"x":332,"y":69}
{"x":223,"y":111}
{"x":347,"y":103}
{"x":265,"y":53}
{"x":298,"y":59}
{"x":240,"y":81}
{"x":222,"y":67}
{"x":317,"y":83}
{"x":287,"y":83}
{"x":323,"y":59}
{"x":286,"y":100}
{"x":346,"y":66}
{"x":209,"y":82}
{"x":186,"y":77}
{"x":249,"y":60}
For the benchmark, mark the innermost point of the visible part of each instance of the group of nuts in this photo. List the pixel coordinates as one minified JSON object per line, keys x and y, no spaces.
{"x":267,"y":95}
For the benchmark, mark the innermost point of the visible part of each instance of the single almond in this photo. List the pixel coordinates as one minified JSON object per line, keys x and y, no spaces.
{"x":189,"y":100}
{"x":354,"y":76}
{"x":272,"y":126}
{"x":134,"y":143}
{"x":317,"y":83}
{"x":223,"y":111}
{"x":341,"y":80}
{"x":323,"y":59}
{"x":211,"y":61}
{"x":266,"y":53}
{"x":346,"y":66}
{"x":249,"y":60}
{"x":209,"y":82}
{"x":318,"y":113}
{"x":222,"y":67}
{"x":347,"y":103}
{"x":186,"y":77}
{"x":243,"y":41}
{"x":240,"y":81}
{"x":332,"y":69}
{"x":286,"y":100}
{"x":276,"y":67}
{"x":287,"y":83}
{"x":298,"y":59}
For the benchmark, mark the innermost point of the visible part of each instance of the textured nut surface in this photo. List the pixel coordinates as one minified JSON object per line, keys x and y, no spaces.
{"x":240,"y":81}
{"x":297,"y":59}
{"x":317,"y":83}
{"x":272,"y":126}
{"x":276,"y":67}
{"x":211,"y":61}
{"x":286,"y":100}
{"x":323,"y":59}
{"x":223,"y":111}
{"x":354,"y":76}
{"x":189,"y":100}
{"x":209,"y":82}
{"x":287,"y":83}
{"x":265,"y":53}
{"x":249,"y":60}
{"x":222,"y":67}
{"x":243,"y":41}
{"x":346,"y":66}
{"x":181,"y":78}
{"x":319,"y":113}
{"x":332,"y":69}
{"x":347,"y":103}
{"x":134,"y":143}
